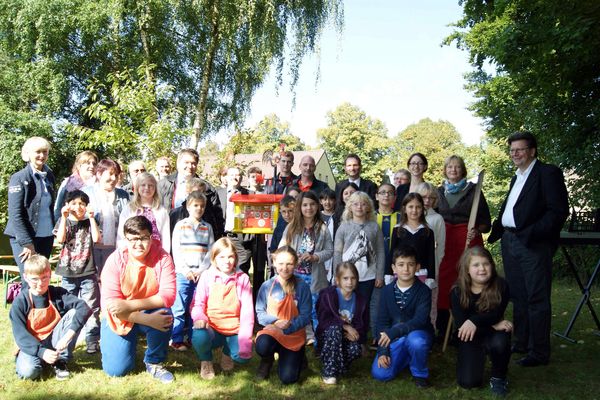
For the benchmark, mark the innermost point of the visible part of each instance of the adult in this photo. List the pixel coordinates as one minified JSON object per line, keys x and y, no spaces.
{"x":285,"y":177}
{"x":353,"y":168}
{"x":455,"y":199}
{"x":107,"y":201}
{"x":138,"y":289}
{"x":135,"y":169}
{"x":83,"y":174}
{"x":172,"y":189}
{"x":241,"y":242}
{"x":30,"y":198}
{"x":529,"y":225}
{"x":346,"y":190}
{"x":162,"y":167}
{"x":417,"y":165}
{"x":401,"y":177}
{"x":307,"y":179}
{"x":254,"y":180}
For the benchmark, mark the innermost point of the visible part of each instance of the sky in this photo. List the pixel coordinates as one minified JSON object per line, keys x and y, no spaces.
{"x":389,"y":62}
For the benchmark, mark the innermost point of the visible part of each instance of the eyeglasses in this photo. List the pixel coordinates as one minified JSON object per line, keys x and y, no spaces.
{"x":518,"y":150}
{"x":386,"y":193}
{"x":416,"y":164}
{"x":135,"y":239}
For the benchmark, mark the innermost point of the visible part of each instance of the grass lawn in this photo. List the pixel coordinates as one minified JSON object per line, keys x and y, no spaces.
{"x":572,"y":374}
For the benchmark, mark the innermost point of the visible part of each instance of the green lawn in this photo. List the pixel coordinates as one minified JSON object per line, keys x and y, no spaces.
{"x":572,"y":374}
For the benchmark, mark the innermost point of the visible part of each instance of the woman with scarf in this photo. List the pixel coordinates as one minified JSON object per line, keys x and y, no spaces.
{"x":454,"y":205}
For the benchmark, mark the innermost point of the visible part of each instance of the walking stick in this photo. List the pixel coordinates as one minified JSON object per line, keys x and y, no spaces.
{"x":470,"y":225}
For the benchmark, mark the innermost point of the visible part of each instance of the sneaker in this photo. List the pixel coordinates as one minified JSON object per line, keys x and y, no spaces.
{"x":226,"y":363}
{"x":421,"y":383}
{"x":499,"y":386}
{"x":158,"y":371}
{"x":60,"y":370}
{"x":264,"y":368}
{"x":207,"y":371}
{"x":329,"y":380}
{"x":92,"y":347}
{"x":178,"y":346}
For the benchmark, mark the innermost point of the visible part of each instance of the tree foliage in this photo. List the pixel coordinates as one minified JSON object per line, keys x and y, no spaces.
{"x":536,"y":67}
{"x":351,"y":130}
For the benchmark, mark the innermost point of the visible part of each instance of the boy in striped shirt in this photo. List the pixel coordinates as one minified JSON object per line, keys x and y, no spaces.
{"x":190,"y":245}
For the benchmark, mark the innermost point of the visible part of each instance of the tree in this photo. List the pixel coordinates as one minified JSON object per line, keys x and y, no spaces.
{"x":536,"y":67}
{"x":351,"y":130}
{"x":435,"y":139}
{"x":213,"y":53}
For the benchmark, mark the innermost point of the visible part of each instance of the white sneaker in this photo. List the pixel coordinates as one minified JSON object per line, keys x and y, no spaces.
{"x":329,"y":380}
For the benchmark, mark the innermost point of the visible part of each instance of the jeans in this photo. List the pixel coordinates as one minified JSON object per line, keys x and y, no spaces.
{"x":118,"y":352}
{"x":290,"y":362}
{"x":42,"y":245}
{"x":86,"y":287}
{"x":315,"y":296}
{"x":205,"y":340}
{"x":182,"y":320}
{"x":411,"y":350}
{"x":30,"y":366}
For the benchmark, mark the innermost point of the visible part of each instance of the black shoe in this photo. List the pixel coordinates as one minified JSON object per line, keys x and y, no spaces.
{"x":264,"y":368}
{"x":518,"y":349}
{"x":421,"y":383}
{"x":529,"y":361}
{"x":60,"y":370}
{"x":499,"y":386}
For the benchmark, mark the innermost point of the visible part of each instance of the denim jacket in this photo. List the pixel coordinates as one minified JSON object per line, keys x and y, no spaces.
{"x":24,"y":198}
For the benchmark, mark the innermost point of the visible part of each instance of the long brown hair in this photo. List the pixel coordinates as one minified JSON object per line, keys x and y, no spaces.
{"x":288,"y":286}
{"x":491,"y":295}
{"x":296,"y":225}
{"x":404,"y":217}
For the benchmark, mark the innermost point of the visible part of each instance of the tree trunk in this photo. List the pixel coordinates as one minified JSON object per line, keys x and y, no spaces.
{"x":200,"y":118}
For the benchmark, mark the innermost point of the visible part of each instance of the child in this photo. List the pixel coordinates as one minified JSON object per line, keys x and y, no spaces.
{"x":327,"y":200}
{"x":403,"y":325}
{"x":286,"y":209}
{"x":343,"y":323}
{"x":46,"y":321}
{"x":222,"y":312}
{"x":387,"y":219}
{"x":360,"y":241}
{"x":146,"y":202}
{"x":283,"y":307}
{"x":478,"y":302}
{"x":415,"y":232}
{"x":192,"y":241}
{"x":77,"y":230}
{"x":430,"y":197}
{"x":138,"y":290}
{"x":309,"y":235}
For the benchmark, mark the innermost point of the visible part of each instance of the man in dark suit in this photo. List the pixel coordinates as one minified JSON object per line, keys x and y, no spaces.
{"x":353,"y":167}
{"x":529,"y":225}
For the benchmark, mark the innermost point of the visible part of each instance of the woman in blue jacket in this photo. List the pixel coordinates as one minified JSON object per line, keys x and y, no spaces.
{"x":30,"y":204}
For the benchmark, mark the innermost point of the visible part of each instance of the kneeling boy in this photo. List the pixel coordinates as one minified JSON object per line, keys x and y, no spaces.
{"x":45,"y":322}
{"x":403,"y":324}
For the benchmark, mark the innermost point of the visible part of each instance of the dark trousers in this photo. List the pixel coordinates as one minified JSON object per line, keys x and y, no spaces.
{"x":42,"y":245}
{"x":528,"y":272}
{"x":472,"y":355}
{"x":289,"y":363}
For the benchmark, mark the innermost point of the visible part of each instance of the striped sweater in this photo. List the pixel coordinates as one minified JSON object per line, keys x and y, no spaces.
{"x":191,"y":244}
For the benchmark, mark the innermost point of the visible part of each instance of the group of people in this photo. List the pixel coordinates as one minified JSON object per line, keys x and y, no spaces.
{"x":356,"y":267}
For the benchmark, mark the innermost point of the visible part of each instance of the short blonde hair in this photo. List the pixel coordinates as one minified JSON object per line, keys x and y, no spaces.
{"x":427,"y":189}
{"x":192,"y":182}
{"x":354,"y":198}
{"x":460,"y":162}
{"x":33,"y":143}
{"x":36,"y":264}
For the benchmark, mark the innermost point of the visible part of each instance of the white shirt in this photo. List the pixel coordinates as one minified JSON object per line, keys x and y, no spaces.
{"x":508,"y":217}
{"x":355,"y":181}
{"x":180,"y":192}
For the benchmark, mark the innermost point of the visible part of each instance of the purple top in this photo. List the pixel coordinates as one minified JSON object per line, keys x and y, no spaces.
{"x":328,"y":313}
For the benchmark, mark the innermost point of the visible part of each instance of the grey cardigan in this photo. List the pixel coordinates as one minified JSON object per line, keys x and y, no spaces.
{"x":347,"y":233}
{"x":323,"y":250}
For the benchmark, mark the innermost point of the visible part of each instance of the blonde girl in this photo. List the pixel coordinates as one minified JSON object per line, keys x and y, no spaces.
{"x":146,"y":202}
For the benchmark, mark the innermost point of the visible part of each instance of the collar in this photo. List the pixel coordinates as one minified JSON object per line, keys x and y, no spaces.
{"x":526,"y":173}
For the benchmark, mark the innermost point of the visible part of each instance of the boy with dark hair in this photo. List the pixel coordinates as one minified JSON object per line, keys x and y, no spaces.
{"x":77,"y":230}
{"x":403,"y":324}
{"x":45,"y":322}
{"x":286,"y":211}
{"x":191,"y":244}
